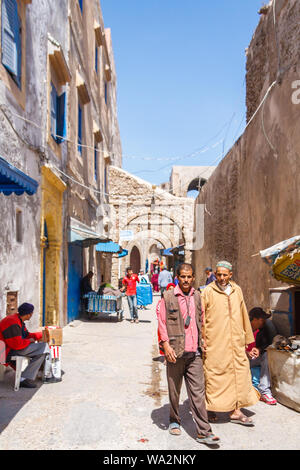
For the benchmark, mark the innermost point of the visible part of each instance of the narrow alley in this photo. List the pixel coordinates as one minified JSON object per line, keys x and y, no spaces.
{"x":113,"y":396}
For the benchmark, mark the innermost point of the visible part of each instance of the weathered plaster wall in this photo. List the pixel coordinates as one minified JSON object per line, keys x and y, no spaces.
{"x":23,"y":145}
{"x":274,"y":49}
{"x":253,"y":198}
{"x":86,"y":205}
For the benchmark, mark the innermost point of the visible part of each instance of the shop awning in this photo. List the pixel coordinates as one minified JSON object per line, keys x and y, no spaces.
{"x":110,"y":247}
{"x":178,"y":250}
{"x":167,"y":252}
{"x":85,"y":236}
{"x":284,"y":260}
{"x":124,"y":253}
{"x":15,"y":181}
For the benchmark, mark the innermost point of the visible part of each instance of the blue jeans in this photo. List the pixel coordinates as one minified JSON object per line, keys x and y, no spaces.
{"x":265,"y":383}
{"x":132,"y":304}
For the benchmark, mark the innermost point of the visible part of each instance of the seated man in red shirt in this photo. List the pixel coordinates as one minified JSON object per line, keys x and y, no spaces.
{"x":129,"y":283}
{"x":19,"y":342}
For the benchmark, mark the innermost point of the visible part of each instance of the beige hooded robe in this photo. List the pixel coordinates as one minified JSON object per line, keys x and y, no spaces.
{"x":227,"y":330}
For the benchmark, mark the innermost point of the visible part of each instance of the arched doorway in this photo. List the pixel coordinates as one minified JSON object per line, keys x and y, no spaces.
{"x":135,"y":260}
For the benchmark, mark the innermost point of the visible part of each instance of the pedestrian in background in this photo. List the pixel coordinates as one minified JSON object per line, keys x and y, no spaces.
{"x":154,"y":282}
{"x":227,"y":332}
{"x":85,"y":283}
{"x":129,"y":282}
{"x":143,"y":278}
{"x":210,"y":277}
{"x":164,"y":279}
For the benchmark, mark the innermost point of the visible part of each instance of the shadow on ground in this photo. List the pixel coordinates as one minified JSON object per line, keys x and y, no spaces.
{"x":160,"y":418}
{"x":12,"y":402}
{"x":103,"y":318}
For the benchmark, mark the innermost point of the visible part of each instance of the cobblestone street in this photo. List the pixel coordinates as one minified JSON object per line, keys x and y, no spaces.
{"x":114,"y":396}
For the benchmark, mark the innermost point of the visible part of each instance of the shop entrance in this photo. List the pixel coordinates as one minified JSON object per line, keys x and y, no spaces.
{"x":135,"y":260}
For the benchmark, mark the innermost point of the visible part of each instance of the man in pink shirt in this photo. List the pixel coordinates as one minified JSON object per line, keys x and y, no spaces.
{"x":180,"y":325}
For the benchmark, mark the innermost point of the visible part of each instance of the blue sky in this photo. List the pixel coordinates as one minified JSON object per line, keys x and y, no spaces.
{"x":181,"y":79}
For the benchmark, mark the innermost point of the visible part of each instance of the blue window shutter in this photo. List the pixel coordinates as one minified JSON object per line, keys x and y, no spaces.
{"x":53,"y":111}
{"x":61,"y":128}
{"x":79,"y":128}
{"x":11,"y":40}
{"x":19,"y":51}
{"x":81,"y":4}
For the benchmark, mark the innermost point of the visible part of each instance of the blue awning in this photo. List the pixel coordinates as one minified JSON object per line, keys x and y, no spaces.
{"x":109,"y":247}
{"x":178,"y":250}
{"x":167,"y":252}
{"x":124,"y":253}
{"x":15,"y":181}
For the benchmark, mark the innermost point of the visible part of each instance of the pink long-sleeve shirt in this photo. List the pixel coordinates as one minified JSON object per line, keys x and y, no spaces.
{"x":191,"y":332}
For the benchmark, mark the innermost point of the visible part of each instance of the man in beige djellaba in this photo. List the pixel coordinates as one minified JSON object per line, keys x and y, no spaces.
{"x":227,"y":332}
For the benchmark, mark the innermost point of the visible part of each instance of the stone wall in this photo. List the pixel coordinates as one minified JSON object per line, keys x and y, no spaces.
{"x":253,"y":198}
{"x":182,"y":177}
{"x":154,"y":216}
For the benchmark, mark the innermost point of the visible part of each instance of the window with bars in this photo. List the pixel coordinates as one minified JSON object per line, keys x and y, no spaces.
{"x":96,"y":162}
{"x":106,"y":92}
{"x":106,"y":180}
{"x":19,"y":226}
{"x":79,"y":130}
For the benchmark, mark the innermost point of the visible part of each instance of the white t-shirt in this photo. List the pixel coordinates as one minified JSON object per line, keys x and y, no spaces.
{"x":227,"y":289}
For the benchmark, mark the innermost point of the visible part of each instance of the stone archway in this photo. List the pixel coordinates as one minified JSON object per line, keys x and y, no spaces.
{"x":196,"y":184}
{"x":154,"y":253}
{"x":135,"y":259}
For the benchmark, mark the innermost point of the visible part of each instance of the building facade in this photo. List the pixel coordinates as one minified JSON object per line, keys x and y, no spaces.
{"x":59,"y":126}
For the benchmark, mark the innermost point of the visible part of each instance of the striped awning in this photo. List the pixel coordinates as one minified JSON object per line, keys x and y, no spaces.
{"x":13,"y":180}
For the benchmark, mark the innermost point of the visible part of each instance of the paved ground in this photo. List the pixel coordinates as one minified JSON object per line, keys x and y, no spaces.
{"x":114,"y":396}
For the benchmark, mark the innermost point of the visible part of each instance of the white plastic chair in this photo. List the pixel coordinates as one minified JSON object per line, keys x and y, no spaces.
{"x":21,"y":364}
